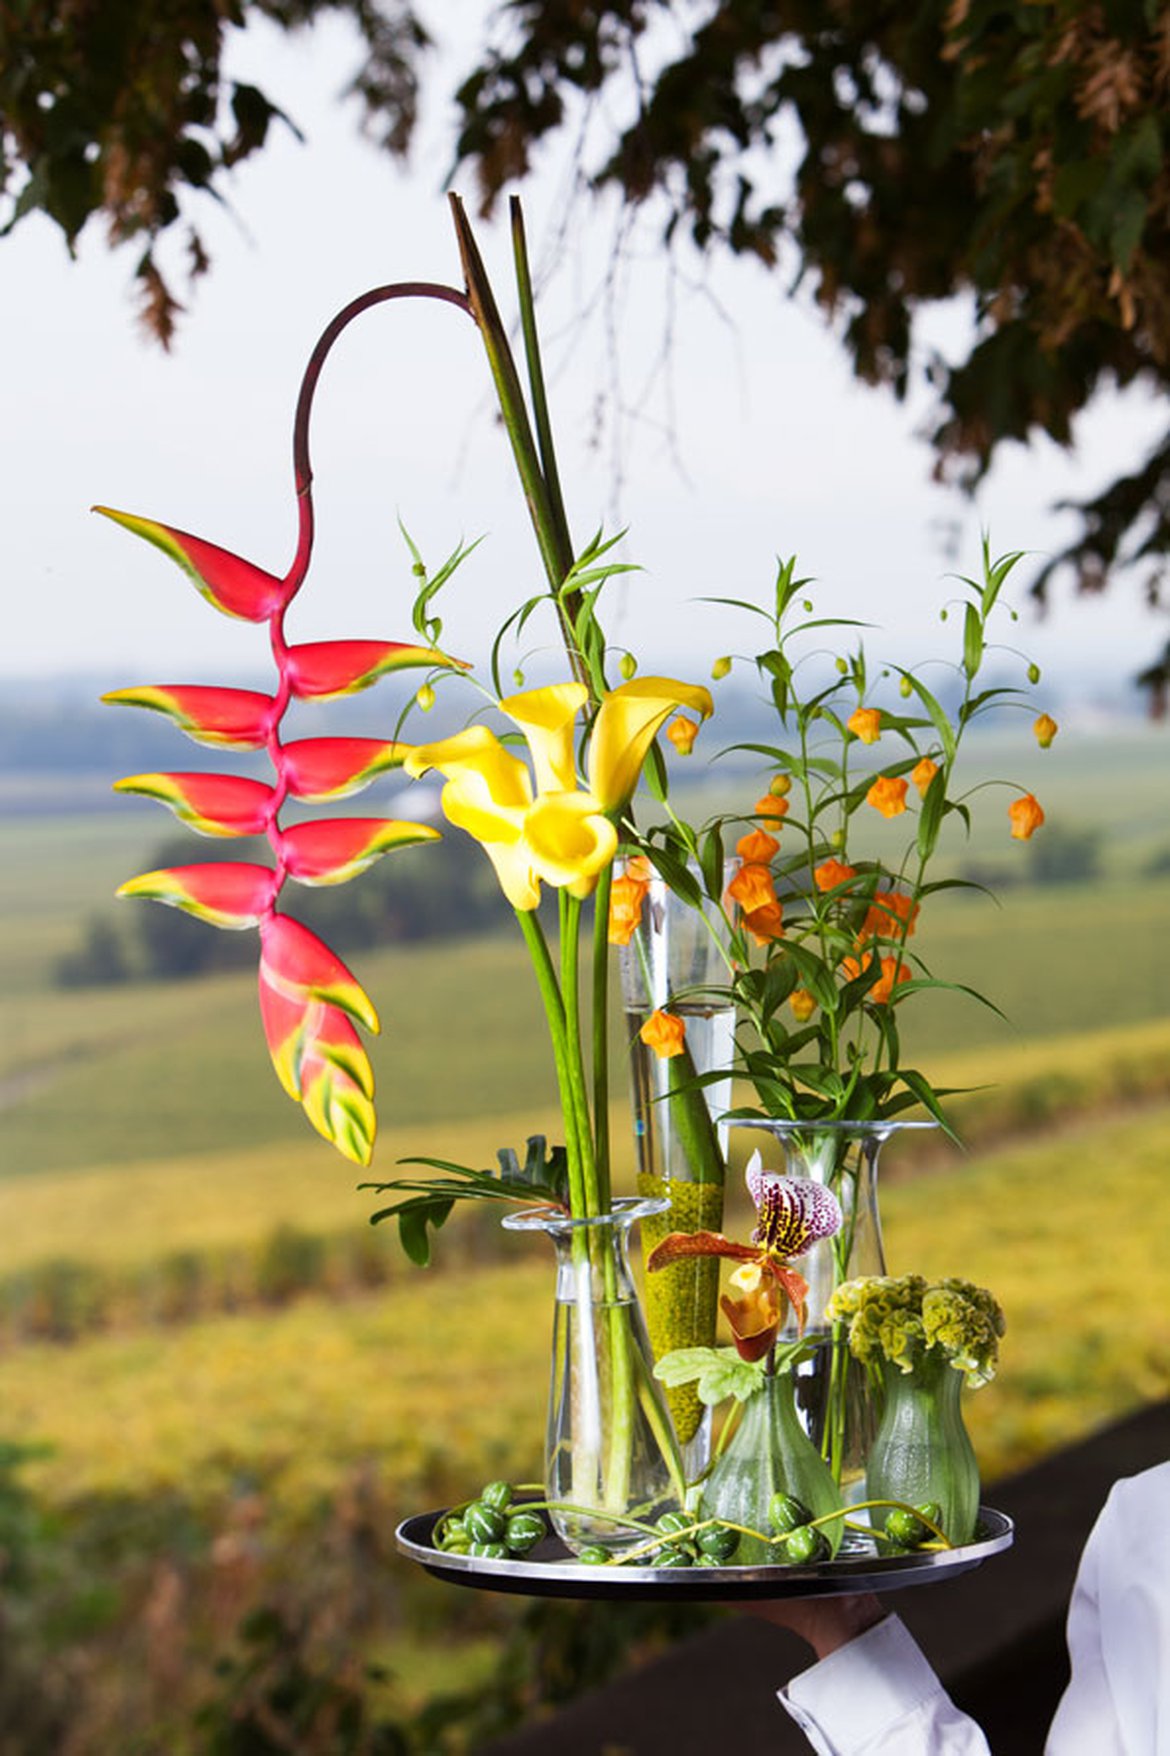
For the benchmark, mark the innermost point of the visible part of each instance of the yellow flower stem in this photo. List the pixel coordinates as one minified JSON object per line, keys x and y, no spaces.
{"x":600,"y":1021}
{"x":554,"y":1008}
{"x":575,"y":1060}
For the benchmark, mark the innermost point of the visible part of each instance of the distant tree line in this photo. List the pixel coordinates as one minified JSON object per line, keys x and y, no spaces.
{"x":446,"y":889}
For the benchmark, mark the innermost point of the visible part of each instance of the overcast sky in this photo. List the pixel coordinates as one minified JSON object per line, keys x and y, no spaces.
{"x":753,"y":441}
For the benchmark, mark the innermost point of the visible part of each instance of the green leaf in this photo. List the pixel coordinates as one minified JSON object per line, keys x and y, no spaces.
{"x":972,"y":641}
{"x":716,"y":1373}
{"x":931,"y":815}
{"x":942,"y":724}
{"x":711,"y":863}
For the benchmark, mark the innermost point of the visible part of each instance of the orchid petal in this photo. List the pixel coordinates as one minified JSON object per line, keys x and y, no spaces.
{"x":322,"y":669}
{"x":547,"y":718}
{"x":331,"y":768}
{"x":677,"y":1245}
{"x":212,"y":804}
{"x":225,"y":894}
{"x":570,"y":840}
{"x":341,"y":847}
{"x":794,"y":1213}
{"x":231,"y":719}
{"x":627,"y":723}
{"x":233,"y":585}
{"x":302,"y":967}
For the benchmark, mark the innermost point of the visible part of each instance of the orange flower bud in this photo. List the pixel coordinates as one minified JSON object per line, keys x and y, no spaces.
{"x":771,"y":805}
{"x":780,"y":785}
{"x":892,"y":972}
{"x":626,"y":897}
{"x":757,"y":848}
{"x":665,"y":1033}
{"x":1045,"y":729}
{"x":832,"y":872}
{"x":866,"y":723}
{"x":803,"y":1005}
{"x":682,"y":733}
{"x":752,"y":887}
{"x":765,"y":923}
{"x":922,"y":774}
{"x":887,"y":795}
{"x":886,"y":915}
{"x":1026,"y":817}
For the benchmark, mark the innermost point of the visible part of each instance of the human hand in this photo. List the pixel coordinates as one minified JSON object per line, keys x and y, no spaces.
{"x":826,"y":1623}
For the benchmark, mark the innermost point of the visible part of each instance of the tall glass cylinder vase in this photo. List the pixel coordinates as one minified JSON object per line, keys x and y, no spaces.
{"x":673,"y":959}
{"x":839,"y":1401}
{"x":610,"y":1451}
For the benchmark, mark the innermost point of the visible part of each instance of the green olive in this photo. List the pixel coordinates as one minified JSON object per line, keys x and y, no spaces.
{"x":804,"y":1545}
{"x":483,"y":1524}
{"x":786,"y":1512}
{"x":497,"y":1495}
{"x":718,"y":1544}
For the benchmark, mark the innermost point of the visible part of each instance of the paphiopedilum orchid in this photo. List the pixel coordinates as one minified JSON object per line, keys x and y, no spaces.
{"x":793,"y":1213}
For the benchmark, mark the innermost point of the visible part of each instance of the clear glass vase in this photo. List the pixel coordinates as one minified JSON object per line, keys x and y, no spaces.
{"x":922,"y":1451}
{"x":674,"y":959}
{"x":838,"y":1400}
{"x":770,"y":1453}
{"x":610,"y":1451}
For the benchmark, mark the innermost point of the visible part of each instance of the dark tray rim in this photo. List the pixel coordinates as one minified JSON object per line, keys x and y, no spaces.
{"x":549,"y":1571}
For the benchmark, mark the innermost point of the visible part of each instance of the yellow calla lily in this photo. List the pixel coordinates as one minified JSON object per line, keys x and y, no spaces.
{"x":488,"y":794}
{"x":547,"y":717}
{"x":570,"y":840}
{"x":628,"y":720}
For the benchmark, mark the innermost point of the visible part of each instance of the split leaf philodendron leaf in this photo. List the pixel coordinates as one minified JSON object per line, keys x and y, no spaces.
{"x":302,"y":967}
{"x":212,"y":804}
{"x":340,"y":848}
{"x":233,"y":585}
{"x":331,"y":768}
{"x":230,"y":719}
{"x":222,"y":893}
{"x":319,"y":670}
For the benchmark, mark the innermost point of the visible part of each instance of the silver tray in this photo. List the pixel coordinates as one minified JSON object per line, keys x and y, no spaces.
{"x":551,"y":1570}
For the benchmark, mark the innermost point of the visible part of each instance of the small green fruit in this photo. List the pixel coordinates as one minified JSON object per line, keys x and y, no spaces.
{"x":497,"y":1495}
{"x":670,"y":1556}
{"x":523,"y":1531}
{"x":674,"y":1521}
{"x":785,"y":1512}
{"x":593,"y":1555}
{"x":804,"y":1545}
{"x":718,"y":1544}
{"x":906,"y":1528}
{"x":490,"y":1551}
{"x":483,"y":1524}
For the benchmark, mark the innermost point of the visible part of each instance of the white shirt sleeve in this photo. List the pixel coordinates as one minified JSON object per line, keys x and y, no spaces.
{"x":878,"y":1696}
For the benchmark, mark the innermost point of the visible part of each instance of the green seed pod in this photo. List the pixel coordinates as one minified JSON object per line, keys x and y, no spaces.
{"x":523,"y":1531}
{"x":843,"y":666}
{"x":425,"y":697}
{"x":454,"y":1531}
{"x":674,"y":1521}
{"x":628,"y":665}
{"x":483,"y":1524}
{"x":497,"y":1495}
{"x":905,"y":688}
{"x":906,"y":1528}
{"x":490,"y":1551}
{"x":804,"y":1545}
{"x":718,"y":1544}
{"x":462,"y":1547}
{"x":593,"y":1555}
{"x":671,"y":1556}
{"x":1033,"y":673}
{"x":786,"y":1512}
{"x":721,"y":668}
{"x":932,"y":1510}
{"x":518,"y":677}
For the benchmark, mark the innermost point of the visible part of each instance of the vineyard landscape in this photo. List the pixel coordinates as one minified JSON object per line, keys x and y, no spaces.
{"x":221,"y":1388}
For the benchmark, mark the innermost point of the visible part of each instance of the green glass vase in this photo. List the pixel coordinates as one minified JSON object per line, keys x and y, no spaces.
{"x":922,"y":1451}
{"x":770,"y":1453}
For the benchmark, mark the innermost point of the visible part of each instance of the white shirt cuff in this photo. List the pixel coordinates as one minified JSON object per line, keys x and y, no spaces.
{"x":850,"y":1700}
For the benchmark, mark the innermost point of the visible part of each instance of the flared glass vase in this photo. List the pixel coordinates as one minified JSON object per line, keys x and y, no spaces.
{"x":770,"y":1453}
{"x":672,"y":960}
{"x":922,"y":1451}
{"x":610,"y":1450}
{"x":838,"y":1400}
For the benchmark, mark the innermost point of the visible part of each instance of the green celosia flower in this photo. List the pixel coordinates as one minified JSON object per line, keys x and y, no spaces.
{"x":901,"y":1318}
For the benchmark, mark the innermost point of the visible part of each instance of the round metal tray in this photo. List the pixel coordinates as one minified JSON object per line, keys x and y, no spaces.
{"x":551,"y":1570}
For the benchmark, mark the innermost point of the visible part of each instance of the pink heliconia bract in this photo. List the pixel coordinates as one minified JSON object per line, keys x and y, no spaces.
{"x":231,"y":719}
{"x":301,"y":966}
{"x":341,"y":847}
{"x":237,"y":587}
{"x":223,"y":893}
{"x":321,"y":669}
{"x":212,"y":804}
{"x":331,"y":768}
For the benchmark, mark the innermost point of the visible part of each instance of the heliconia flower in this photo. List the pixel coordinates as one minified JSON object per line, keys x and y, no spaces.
{"x":547,"y":717}
{"x":794,"y":1213}
{"x":318,"y":670}
{"x":865,"y":723}
{"x":888,"y":914}
{"x":230,"y":719}
{"x":765,"y":923}
{"x":626,"y":897}
{"x":771,"y":805}
{"x":331,"y":768}
{"x":302,"y":967}
{"x":224,"y":894}
{"x":803,"y":1005}
{"x":682,"y":733}
{"x":832,"y":872}
{"x":922,"y":774}
{"x":338,"y":848}
{"x":888,"y":795}
{"x":665,"y":1033}
{"x":212,"y":804}
{"x":757,"y":848}
{"x":339,"y":1109}
{"x":1045,"y":729}
{"x":292,"y":1025}
{"x":752,"y":887}
{"x":233,"y":585}
{"x":628,"y":720}
{"x":1026,"y":817}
